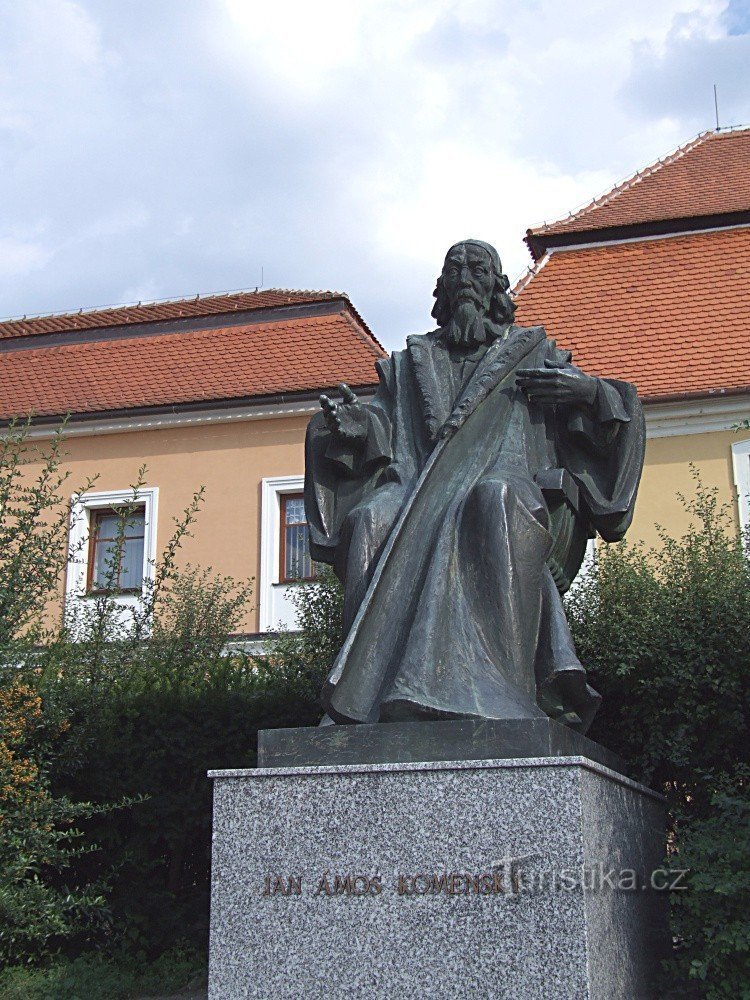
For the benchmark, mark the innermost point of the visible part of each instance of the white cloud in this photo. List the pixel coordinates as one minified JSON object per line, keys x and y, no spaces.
{"x":182,"y":146}
{"x":21,"y":257}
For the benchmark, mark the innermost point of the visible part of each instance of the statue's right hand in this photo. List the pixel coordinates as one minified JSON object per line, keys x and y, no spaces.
{"x":346,"y":420}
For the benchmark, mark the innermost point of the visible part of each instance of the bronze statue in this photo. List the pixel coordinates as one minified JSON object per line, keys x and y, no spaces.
{"x":455,"y":507}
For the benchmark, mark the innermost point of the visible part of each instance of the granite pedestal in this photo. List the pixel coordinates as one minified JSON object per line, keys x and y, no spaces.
{"x":512,"y":878}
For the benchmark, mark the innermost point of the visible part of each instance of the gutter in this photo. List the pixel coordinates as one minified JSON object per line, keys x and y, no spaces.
{"x":685,"y":397}
{"x":203,"y":406}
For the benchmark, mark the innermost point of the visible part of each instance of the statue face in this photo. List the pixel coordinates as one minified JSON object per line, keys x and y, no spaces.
{"x":468,"y":277}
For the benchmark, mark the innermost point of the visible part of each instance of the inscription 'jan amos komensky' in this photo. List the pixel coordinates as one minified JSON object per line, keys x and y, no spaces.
{"x":422,"y":884}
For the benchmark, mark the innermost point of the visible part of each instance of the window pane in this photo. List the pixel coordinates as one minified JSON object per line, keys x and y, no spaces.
{"x":298,"y":564}
{"x":104,"y":565}
{"x":131,"y":568}
{"x":135,"y":524}
{"x":106,"y":525}
{"x":113,"y":525}
{"x":110,"y":532}
{"x":295,"y":510}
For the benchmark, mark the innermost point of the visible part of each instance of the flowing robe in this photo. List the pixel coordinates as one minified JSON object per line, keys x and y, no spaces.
{"x":438,"y":527}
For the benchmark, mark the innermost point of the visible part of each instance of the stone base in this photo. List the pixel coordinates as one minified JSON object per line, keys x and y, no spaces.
{"x":526,"y":878}
{"x":453,"y":739}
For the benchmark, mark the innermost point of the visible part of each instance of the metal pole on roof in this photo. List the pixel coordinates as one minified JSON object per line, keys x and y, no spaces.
{"x":716,"y":109}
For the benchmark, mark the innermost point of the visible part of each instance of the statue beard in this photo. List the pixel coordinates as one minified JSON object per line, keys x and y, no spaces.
{"x":466,"y":326}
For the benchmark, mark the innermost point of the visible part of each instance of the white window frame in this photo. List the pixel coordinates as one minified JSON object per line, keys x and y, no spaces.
{"x":79,"y":548}
{"x":272,"y":590}
{"x":741,"y":469}
{"x":587,"y":565}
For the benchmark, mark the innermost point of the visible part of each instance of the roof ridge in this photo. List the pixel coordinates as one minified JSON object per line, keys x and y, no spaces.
{"x":144,"y":304}
{"x":629,"y":181}
{"x":531,"y":272}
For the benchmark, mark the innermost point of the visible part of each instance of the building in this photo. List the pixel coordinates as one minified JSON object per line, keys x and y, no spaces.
{"x":651,"y":283}
{"x":213,"y":392}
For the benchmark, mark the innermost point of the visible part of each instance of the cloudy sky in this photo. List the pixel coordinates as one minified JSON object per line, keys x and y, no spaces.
{"x":159,"y":148}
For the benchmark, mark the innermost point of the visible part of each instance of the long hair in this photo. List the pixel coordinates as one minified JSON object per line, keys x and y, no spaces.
{"x":502,"y":307}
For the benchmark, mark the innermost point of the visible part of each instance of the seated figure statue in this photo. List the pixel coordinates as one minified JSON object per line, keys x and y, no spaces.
{"x":455,"y":507}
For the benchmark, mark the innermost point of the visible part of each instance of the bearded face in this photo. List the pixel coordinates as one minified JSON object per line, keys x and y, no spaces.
{"x":469,"y":281}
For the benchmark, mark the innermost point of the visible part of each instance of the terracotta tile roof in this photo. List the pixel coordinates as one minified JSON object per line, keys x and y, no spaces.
{"x":671,"y":315}
{"x":293,"y":354}
{"x":710,"y":175}
{"x":151,"y":312}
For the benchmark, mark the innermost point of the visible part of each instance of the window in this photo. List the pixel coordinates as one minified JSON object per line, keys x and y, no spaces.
{"x":93,"y":546}
{"x":115,"y":557}
{"x":294,"y":541}
{"x":741,"y":466}
{"x":587,"y":566}
{"x":284,"y":551}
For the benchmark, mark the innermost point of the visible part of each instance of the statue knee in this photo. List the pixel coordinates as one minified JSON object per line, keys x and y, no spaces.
{"x":369,"y":526}
{"x":493,"y":492}
{"x":490,"y":491}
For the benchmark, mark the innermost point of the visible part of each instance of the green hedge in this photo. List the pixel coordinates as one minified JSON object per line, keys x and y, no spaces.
{"x":106,"y":731}
{"x":154,"y":721}
{"x":664,"y":635}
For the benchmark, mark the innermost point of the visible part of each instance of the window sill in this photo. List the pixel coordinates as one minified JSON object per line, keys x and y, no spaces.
{"x":113,"y":593}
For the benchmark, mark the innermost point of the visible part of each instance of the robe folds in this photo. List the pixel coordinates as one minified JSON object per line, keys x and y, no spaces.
{"x":441,"y":533}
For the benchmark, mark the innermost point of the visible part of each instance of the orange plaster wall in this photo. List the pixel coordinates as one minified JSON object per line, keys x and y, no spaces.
{"x":230,"y":460}
{"x":667,"y":473}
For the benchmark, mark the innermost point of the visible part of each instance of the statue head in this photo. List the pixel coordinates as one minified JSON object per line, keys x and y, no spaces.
{"x":472,"y":276}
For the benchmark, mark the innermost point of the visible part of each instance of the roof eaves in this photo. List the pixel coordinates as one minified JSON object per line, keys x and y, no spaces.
{"x":679,"y":397}
{"x":370,"y":339}
{"x":190,"y":406}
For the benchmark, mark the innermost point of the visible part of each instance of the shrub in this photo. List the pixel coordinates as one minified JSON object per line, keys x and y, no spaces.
{"x":152,"y":719}
{"x":39,"y":843}
{"x":308,"y":652}
{"x":120,"y":976}
{"x":664,"y":636}
{"x":101,"y":710}
{"x":34,"y":518}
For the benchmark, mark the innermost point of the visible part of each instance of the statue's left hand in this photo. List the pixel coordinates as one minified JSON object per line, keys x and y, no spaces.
{"x":557,"y":384}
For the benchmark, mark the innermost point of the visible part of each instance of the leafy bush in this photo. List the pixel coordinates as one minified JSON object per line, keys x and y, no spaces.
{"x":712,"y":919}
{"x":41,"y":900}
{"x":99,"y":709}
{"x":309,"y":651}
{"x":154,"y":718}
{"x":664,"y":636}
{"x":34,"y":518}
{"x":39,"y":843}
{"x":119,"y":977}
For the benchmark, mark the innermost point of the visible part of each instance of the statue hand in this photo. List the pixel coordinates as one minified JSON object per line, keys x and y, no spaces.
{"x":346,"y":420}
{"x":557,"y":384}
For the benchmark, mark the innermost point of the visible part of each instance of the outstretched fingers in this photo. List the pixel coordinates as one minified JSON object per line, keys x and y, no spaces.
{"x":346,"y":392}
